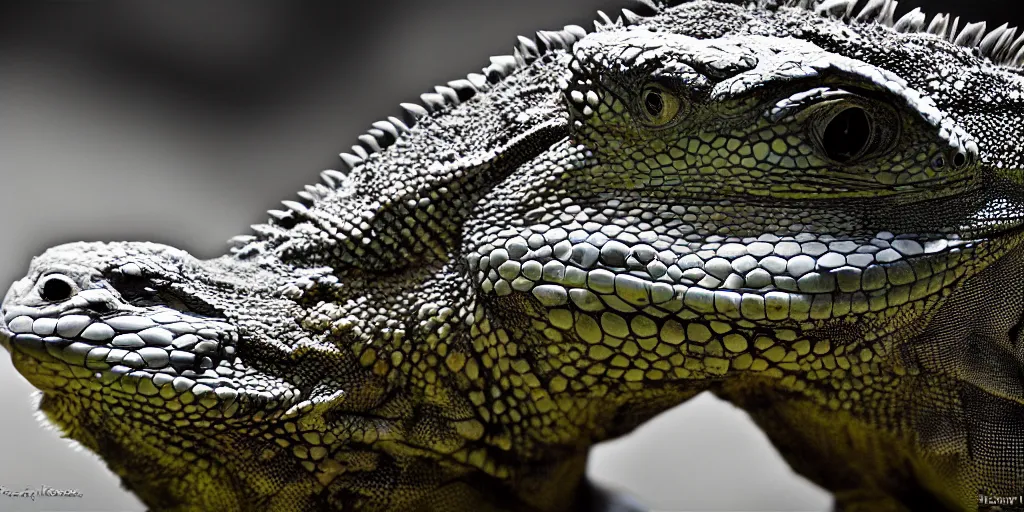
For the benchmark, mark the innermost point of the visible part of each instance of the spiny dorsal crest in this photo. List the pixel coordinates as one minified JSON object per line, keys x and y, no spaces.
{"x":1001,"y":46}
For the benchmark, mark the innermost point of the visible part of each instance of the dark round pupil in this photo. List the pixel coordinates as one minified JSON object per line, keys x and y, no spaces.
{"x":847,"y":135}
{"x":654,"y":103}
{"x":55,"y":290}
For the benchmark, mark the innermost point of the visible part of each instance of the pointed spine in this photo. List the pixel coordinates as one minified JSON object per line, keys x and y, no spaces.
{"x":971,"y":35}
{"x":836,"y":8}
{"x":383,"y":134}
{"x":912,"y":21}
{"x":951,"y":35}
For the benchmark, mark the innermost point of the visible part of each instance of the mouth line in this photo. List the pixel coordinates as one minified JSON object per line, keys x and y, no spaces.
{"x":632,"y":294}
{"x":211,"y":398}
{"x":220,"y":386}
{"x":768,"y":278}
{"x":165,"y":342}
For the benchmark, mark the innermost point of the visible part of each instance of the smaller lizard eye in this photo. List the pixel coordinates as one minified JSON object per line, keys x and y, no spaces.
{"x":659,"y":105}
{"x":56,"y":288}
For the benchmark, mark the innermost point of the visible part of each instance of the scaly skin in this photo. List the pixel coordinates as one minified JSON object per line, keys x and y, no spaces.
{"x":815,"y":218}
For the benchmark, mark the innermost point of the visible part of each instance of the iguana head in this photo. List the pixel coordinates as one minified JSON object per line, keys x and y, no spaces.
{"x":102,"y":306}
{"x":784,"y":207}
{"x":839,"y":208}
{"x":787,"y":183}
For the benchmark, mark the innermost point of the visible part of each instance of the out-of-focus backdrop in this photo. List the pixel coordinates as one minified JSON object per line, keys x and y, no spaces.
{"x":181,"y":122}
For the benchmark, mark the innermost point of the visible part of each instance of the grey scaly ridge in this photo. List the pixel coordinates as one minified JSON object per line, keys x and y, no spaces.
{"x":999,"y":45}
{"x":385,"y":132}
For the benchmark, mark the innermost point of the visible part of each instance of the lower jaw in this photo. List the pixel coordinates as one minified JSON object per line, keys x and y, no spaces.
{"x":41,"y":373}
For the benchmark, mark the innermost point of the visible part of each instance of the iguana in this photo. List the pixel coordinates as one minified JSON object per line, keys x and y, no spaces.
{"x":810,"y":209}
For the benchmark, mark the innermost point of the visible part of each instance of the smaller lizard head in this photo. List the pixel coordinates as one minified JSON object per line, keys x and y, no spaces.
{"x":136,"y":349}
{"x":128,"y":320}
{"x":107,"y":311}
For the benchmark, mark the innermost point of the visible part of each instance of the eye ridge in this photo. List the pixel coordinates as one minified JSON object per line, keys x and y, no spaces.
{"x":142,"y":291}
{"x":133,"y":288}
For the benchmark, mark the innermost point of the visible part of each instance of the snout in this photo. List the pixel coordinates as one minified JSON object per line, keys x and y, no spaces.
{"x":13,"y":321}
{"x":5,"y":336}
{"x":5,"y":332}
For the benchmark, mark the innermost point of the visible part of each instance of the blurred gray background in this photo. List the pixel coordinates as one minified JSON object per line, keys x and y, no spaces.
{"x":181,"y":122}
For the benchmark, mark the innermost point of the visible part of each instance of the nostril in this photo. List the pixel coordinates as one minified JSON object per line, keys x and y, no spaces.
{"x":56,"y":289}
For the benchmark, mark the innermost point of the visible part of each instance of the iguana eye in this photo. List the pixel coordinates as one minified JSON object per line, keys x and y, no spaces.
{"x":658,"y":105}
{"x":56,"y":288}
{"x":848,"y":133}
